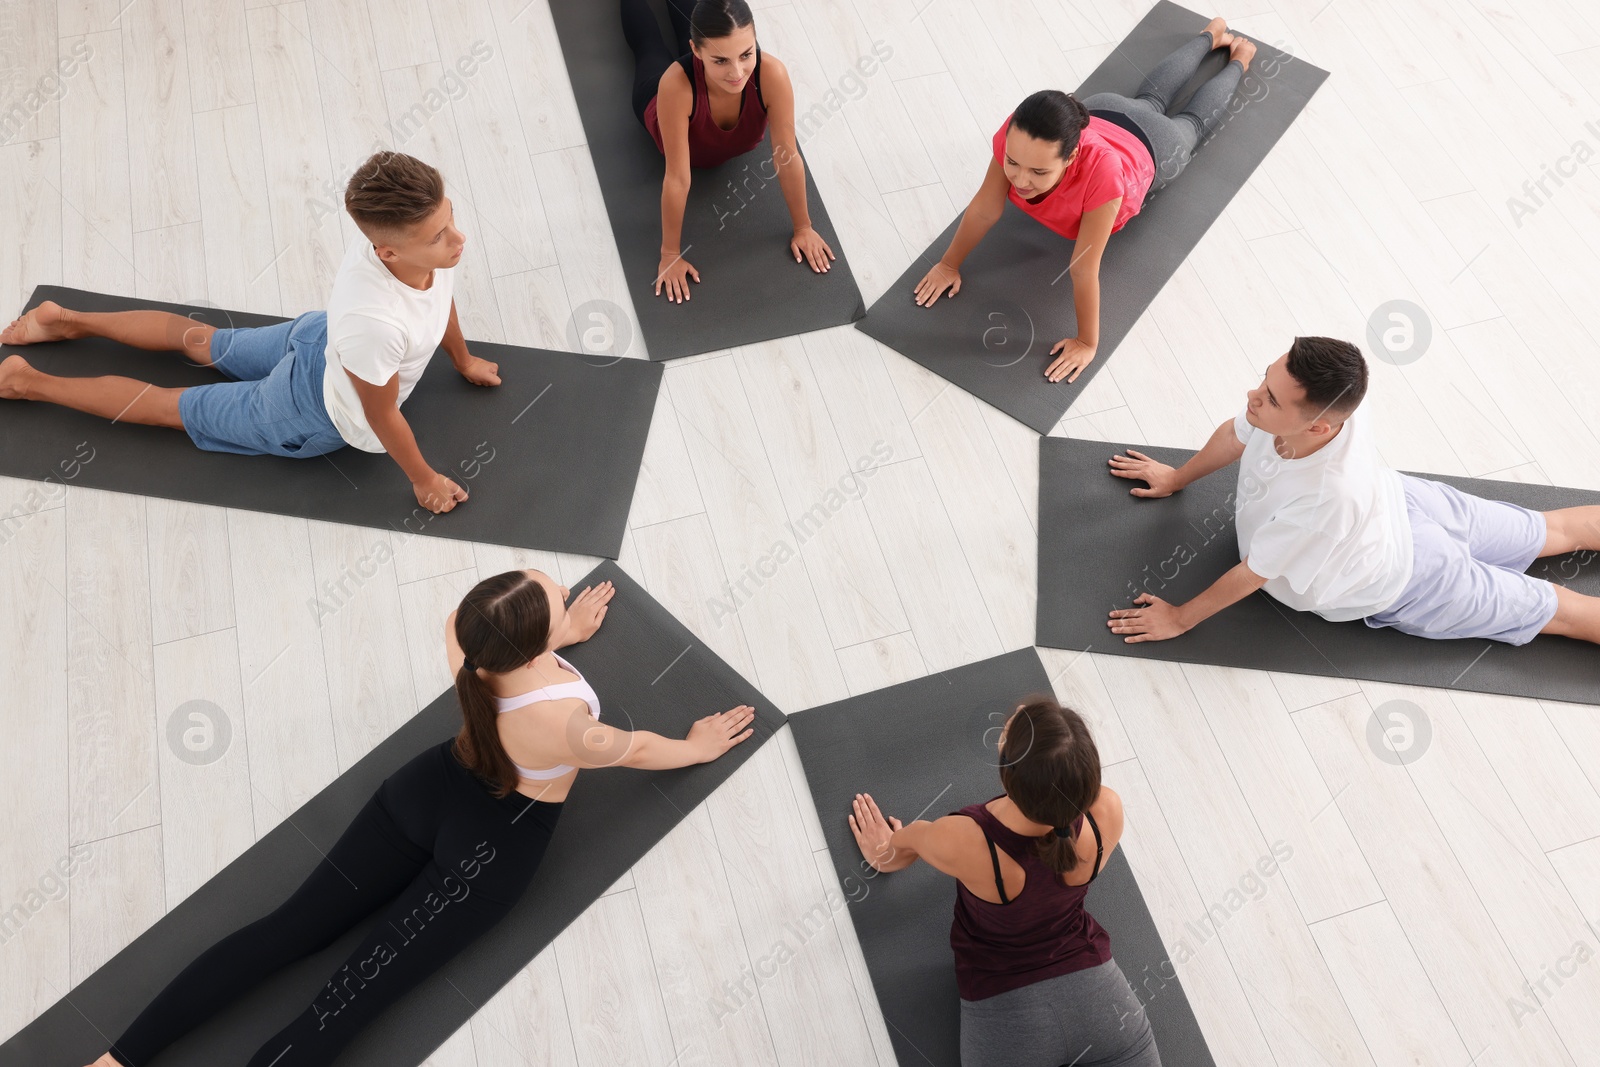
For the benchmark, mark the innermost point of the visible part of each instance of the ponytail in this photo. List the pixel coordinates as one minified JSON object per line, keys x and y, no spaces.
{"x":503,"y":623}
{"x":1050,"y":769}
{"x":716,"y":18}
{"x":1052,"y":115}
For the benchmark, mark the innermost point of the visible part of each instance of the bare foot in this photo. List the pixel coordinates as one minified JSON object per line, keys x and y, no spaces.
{"x":1242,"y":49}
{"x":47,"y":322}
{"x":13,"y":369}
{"x":105,"y":1061}
{"x":1218,"y":29}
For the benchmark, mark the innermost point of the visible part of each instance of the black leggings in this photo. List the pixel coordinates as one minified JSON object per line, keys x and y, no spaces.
{"x":652,"y":55}
{"x":433,"y":848}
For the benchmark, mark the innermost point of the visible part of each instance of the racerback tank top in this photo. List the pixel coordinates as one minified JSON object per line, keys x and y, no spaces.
{"x":1043,"y":932}
{"x":580,"y":688}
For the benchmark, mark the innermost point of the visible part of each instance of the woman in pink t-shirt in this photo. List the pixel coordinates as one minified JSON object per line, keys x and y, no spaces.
{"x":1084,"y":168}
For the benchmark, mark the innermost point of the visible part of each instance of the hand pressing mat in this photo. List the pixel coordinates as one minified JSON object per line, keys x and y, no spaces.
{"x":736,"y":225}
{"x":549,"y":457}
{"x":1100,"y":547}
{"x":924,"y":749}
{"x":994,"y":338}
{"x":650,"y":673}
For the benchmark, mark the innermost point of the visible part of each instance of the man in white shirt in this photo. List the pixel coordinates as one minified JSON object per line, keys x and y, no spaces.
{"x":1325,"y":526}
{"x":312,"y":385}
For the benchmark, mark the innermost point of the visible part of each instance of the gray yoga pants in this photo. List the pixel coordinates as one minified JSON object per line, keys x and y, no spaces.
{"x":1088,"y":1018}
{"x":1173,"y":138}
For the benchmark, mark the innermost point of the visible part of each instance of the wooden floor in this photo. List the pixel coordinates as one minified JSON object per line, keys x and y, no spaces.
{"x":1444,"y":912}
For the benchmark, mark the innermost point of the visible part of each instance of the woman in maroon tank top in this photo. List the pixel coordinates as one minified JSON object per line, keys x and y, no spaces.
{"x":1037,"y":982}
{"x":712,"y":103}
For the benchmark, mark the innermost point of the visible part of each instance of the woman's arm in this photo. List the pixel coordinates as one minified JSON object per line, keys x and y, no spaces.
{"x":778,"y":92}
{"x":674,"y":98}
{"x":590,"y":743}
{"x":987,"y":205}
{"x":1075,"y":353}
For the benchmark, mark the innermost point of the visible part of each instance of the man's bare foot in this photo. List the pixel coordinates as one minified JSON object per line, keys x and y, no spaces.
{"x":47,"y":322}
{"x":13,"y":370}
{"x":1242,"y":49}
{"x":1218,"y":29}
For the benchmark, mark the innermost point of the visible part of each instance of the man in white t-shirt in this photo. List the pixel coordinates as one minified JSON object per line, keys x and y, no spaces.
{"x":311,"y":385}
{"x":1325,"y":526}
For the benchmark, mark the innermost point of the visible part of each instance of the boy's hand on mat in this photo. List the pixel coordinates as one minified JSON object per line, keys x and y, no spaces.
{"x":936,"y":281}
{"x":809,"y":248}
{"x":479,"y":371}
{"x":1157,"y":620}
{"x":873,"y":831}
{"x":673,"y":275}
{"x":437,"y":493}
{"x":1163,"y":480}
{"x":1072,"y":355}
{"x":715,"y":734}
{"x":587,"y":611}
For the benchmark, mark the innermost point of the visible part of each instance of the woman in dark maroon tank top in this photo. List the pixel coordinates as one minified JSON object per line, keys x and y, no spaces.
{"x":714,"y":102}
{"x":1037,"y":982}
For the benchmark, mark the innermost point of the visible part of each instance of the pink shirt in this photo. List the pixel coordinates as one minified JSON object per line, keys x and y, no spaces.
{"x":1111,"y":162}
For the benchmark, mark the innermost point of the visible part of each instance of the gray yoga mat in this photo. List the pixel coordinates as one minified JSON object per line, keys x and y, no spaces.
{"x":924,"y":749}
{"x":994,"y":338}
{"x":736,"y":225}
{"x":549,"y":458}
{"x":650,"y":673}
{"x":1106,"y":546}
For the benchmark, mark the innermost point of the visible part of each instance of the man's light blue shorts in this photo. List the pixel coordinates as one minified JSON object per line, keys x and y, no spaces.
{"x":1469,"y":555}
{"x":274,"y":405}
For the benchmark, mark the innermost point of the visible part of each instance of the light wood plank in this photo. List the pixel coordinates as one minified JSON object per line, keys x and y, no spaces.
{"x":206,"y":803}
{"x":613,"y":1005}
{"x":822,"y":489}
{"x":218,"y":41}
{"x":1281,"y":784}
{"x":680,"y":565}
{"x":526,"y":1022}
{"x":427,"y":604}
{"x":942,"y":599}
{"x":115,"y":899}
{"x":404,"y":34}
{"x":236,"y":223}
{"x":97,"y":213}
{"x":110,"y":687}
{"x":881,"y":663}
{"x":34,"y":771}
{"x":281,"y":666}
{"x":1078,"y":685}
{"x":1464,"y":955}
{"x":1382,"y":980}
{"x":161,"y":148}
{"x":190,"y":570}
{"x":526,"y":35}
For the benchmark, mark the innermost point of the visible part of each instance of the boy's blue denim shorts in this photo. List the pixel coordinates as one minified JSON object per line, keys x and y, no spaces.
{"x":274,"y":405}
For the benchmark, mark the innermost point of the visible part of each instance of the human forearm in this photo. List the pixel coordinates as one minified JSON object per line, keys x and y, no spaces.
{"x":394,"y":433}
{"x":1223,"y":448}
{"x":792,"y":180}
{"x":1086,"y":302}
{"x":1226,"y":591}
{"x":649,"y":751}
{"x":674,"y":198}
{"x":455,"y":342}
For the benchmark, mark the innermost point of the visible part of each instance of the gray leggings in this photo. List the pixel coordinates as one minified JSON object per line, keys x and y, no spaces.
{"x":1087,"y":1018}
{"x":1173,"y":138}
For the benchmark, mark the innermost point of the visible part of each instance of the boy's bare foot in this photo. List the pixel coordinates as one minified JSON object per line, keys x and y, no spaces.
{"x":1242,"y":49}
{"x":12,"y":372}
{"x":1218,"y":29}
{"x":47,"y":322}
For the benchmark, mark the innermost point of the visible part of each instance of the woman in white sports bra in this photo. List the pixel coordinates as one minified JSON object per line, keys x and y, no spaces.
{"x":449,"y":842}
{"x":533,"y":722}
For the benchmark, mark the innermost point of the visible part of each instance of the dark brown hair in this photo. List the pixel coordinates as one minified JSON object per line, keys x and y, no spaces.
{"x":1050,"y":769}
{"x":390,"y":192}
{"x":711,"y":19}
{"x":502,"y":624}
{"x":1333,"y":373}
{"x":1052,"y":115}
